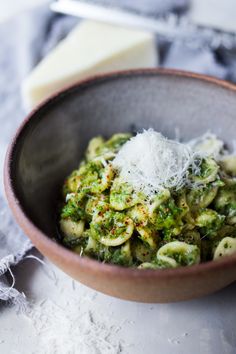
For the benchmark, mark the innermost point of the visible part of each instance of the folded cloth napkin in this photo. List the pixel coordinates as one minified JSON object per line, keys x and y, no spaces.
{"x":24,"y":41}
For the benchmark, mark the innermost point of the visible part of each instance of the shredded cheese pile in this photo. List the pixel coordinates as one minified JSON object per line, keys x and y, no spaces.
{"x":151,"y":162}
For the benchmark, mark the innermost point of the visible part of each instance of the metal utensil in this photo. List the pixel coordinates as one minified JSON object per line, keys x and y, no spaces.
{"x":170,"y":27}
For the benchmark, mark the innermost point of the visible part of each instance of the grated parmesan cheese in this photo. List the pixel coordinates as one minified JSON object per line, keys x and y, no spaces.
{"x":150,"y":162}
{"x":68,"y":318}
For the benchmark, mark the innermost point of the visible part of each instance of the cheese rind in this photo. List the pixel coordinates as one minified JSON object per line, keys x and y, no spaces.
{"x":91,"y":48}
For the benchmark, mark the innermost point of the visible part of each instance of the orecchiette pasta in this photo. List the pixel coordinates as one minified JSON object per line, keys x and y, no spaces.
{"x":228,"y":163}
{"x":111,"y":228}
{"x":104,"y":217}
{"x":179,"y":253}
{"x":226,"y":247}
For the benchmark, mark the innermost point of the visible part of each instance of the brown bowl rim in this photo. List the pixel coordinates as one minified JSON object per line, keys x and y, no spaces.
{"x":42,"y":241}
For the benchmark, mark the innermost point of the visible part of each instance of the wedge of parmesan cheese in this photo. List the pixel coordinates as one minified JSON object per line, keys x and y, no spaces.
{"x":89,"y":49}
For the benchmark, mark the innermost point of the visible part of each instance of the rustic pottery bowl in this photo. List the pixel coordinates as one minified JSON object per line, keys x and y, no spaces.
{"x":51,"y":141}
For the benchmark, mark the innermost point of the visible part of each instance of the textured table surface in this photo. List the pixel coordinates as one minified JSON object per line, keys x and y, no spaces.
{"x":205,"y":326}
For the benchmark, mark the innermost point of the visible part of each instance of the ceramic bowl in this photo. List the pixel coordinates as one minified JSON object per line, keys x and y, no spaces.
{"x":52,"y":139}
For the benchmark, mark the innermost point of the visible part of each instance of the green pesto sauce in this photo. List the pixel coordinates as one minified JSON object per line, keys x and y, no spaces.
{"x":104,"y":218}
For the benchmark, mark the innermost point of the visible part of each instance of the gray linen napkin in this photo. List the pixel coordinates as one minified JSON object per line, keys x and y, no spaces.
{"x":23,"y":42}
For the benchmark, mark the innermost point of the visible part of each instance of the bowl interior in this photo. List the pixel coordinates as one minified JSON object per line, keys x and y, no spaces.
{"x":53,"y":140}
